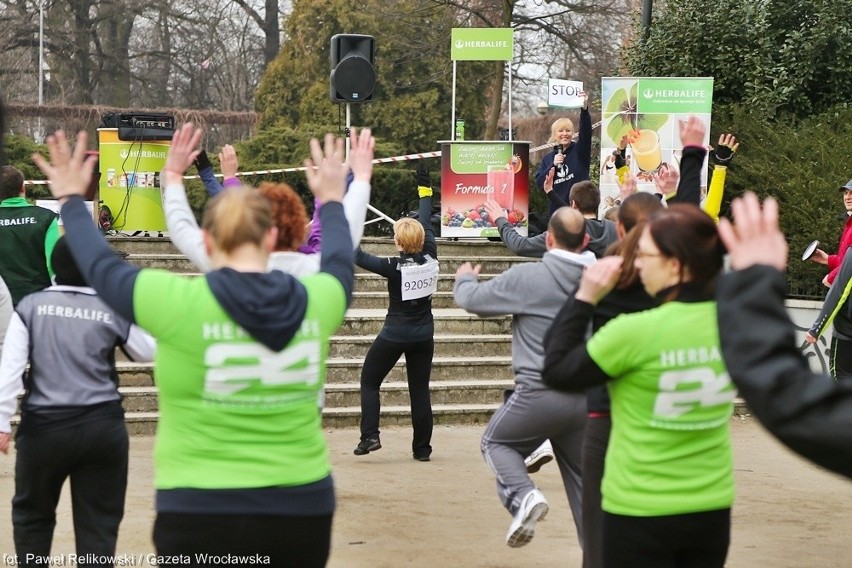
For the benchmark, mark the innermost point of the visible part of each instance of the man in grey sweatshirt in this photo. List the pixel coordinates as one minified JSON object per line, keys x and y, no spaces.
{"x":533,"y":294}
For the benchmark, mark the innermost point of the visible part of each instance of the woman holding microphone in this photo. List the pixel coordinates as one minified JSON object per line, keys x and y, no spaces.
{"x":570,"y":159}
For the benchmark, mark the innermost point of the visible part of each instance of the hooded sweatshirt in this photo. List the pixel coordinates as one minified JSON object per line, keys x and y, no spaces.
{"x":240,"y":367}
{"x":532,"y":293}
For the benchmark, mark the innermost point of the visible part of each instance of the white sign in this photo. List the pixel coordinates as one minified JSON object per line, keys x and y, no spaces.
{"x":419,"y":280}
{"x":561,"y":93}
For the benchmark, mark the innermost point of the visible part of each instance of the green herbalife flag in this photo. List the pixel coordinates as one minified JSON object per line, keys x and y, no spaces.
{"x":675,"y":95}
{"x":482,"y":44}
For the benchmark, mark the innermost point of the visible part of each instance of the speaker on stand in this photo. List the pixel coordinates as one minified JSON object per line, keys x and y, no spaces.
{"x":353,"y":77}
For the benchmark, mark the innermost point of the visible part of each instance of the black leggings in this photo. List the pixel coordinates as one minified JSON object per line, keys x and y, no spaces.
{"x":841,"y":359}
{"x":381,"y":358}
{"x":94,"y":456}
{"x":297,"y":542}
{"x":692,"y":540}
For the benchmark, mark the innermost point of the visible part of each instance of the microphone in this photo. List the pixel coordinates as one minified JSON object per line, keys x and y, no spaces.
{"x":557,"y":149}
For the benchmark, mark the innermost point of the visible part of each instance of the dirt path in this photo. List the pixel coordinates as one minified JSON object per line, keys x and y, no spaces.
{"x":394,"y":511}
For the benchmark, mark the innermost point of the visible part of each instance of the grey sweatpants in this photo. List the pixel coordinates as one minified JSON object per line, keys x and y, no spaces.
{"x":528,"y":418}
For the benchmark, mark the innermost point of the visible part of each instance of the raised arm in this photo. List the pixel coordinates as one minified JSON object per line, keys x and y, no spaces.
{"x":534,"y":247}
{"x":69,"y":174}
{"x":357,"y":197}
{"x":205,"y":172}
{"x":326,"y":174}
{"x":183,"y":229}
{"x":584,"y":143}
{"x":722,"y":156}
{"x":809,"y":412}
{"x":692,"y":132}
{"x":834,"y":301}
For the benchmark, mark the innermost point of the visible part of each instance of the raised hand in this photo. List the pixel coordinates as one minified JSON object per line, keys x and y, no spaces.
{"x":666,"y":180}
{"x":468,"y":268}
{"x":598,"y":279}
{"x":228,"y":161}
{"x":326,"y":171}
{"x":628,"y":187}
{"x":754,"y":237}
{"x":183,"y":149}
{"x":362,"y":147}
{"x":548,"y":179}
{"x":692,"y":131}
{"x":724,"y":153}
{"x":69,"y":173}
{"x":494,"y":210}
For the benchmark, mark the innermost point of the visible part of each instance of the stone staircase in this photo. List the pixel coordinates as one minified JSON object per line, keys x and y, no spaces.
{"x":471,"y":367}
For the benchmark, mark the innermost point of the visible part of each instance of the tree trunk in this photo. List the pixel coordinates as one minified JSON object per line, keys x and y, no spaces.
{"x":272,"y":31}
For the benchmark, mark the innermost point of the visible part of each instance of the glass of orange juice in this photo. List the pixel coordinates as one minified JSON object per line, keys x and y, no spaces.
{"x":646,"y":150}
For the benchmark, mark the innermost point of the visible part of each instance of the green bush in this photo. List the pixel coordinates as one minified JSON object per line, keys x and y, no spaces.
{"x":800,"y":162}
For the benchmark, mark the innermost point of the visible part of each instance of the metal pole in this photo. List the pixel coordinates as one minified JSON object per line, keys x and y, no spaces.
{"x":40,"y":61}
{"x":453,"y":105}
{"x":647,"y":8}
{"x":348,"y":125}
{"x":510,"y":100}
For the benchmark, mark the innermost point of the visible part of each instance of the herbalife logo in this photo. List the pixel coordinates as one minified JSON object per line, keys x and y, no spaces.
{"x":648,"y":93}
{"x":123,"y":154}
{"x":461,"y":44}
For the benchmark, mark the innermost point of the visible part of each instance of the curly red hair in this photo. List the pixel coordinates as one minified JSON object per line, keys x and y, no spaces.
{"x":288,"y":214}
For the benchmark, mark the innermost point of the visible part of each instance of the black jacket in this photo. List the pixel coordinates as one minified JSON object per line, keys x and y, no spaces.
{"x":809,"y":412}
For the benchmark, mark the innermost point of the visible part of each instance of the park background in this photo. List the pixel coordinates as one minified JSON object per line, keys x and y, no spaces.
{"x":256,"y":73}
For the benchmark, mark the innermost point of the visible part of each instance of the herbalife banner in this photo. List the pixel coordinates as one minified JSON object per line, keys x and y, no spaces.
{"x":472,"y":172}
{"x":648,"y":110}
{"x":482,"y":44}
{"x":130,"y":181}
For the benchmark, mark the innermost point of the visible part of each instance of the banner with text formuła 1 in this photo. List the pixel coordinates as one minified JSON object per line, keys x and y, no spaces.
{"x":472,"y":172}
{"x":130,"y":181}
{"x":482,"y":44}
{"x":647,"y":110}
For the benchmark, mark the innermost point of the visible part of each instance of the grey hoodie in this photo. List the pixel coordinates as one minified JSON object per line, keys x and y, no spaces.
{"x":533,"y":294}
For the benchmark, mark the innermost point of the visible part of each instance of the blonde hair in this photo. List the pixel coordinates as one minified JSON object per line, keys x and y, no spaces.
{"x":558,"y":125}
{"x":409,"y":235}
{"x":237,"y":216}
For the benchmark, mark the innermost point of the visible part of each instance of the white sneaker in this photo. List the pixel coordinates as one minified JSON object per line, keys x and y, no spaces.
{"x":540,"y":456}
{"x":533,"y":509}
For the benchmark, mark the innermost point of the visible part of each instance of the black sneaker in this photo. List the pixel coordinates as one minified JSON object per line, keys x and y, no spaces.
{"x":422,"y":457}
{"x":367,"y":446}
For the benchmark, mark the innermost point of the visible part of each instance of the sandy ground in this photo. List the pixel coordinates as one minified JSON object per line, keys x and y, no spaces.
{"x":394,"y":511}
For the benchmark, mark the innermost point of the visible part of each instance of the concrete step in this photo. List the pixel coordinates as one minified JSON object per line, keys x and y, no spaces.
{"x":393,"y":393}
{"x":367,"y":282}
{"x":447,"y":321}
{"x":374,"y":245}
{"x":180,"y":264}
{"x":448,"y":345}
{"x":145,"y":423}
{"x":348,"y":370}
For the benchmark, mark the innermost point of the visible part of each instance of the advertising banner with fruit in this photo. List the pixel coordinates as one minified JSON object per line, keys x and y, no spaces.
{"x":130,"y":181}
{"x":472,"y":172}
{"x":644,"y":113}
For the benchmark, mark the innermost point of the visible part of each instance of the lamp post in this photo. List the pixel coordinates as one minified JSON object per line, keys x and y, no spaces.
{"x":39,"y":136}
{"x":647,"y":8}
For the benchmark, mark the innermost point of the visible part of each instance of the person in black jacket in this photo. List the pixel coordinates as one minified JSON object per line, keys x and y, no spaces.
{"x":571,"y":160}
{"x":408,"y":329}
{"x":808,"y":411}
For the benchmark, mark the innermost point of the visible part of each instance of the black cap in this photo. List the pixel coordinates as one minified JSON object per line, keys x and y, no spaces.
{"x":847,"y":187}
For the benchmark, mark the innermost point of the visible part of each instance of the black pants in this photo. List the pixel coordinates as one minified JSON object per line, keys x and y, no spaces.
{"x":841,"y":359}
{"x":381,"y":358}
{"x":94,"y":456}
{"x":188,"y":539}
{"x":595,"y":442}
{"x":694,"y":540}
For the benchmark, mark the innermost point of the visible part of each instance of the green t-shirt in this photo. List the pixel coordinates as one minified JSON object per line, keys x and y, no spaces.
{"x":670,"y":448}
{"x":233,"y":413}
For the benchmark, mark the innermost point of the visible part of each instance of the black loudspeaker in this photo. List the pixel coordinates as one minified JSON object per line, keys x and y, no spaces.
{"x":353,"y":77}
